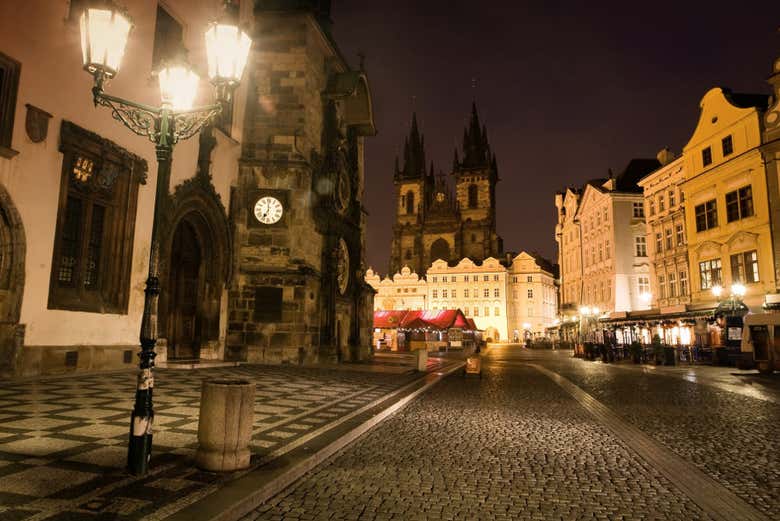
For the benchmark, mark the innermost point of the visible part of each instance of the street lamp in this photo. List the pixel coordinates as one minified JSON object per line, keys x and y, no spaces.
{"x":104,"y":33}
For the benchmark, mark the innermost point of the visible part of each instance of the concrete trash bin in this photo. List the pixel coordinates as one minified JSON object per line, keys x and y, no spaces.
{"x":225,"y":425}
{"x":421,"y":359}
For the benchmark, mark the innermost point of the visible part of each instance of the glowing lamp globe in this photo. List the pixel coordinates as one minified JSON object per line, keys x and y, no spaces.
{"x":104,"y":34}
{"x":738,"y":290}
{"x":178,"y":87}
{"x":227,"y":49}
{"x":717,"y":290}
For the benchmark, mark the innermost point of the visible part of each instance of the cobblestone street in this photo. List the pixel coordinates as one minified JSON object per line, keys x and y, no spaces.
{"x":516,"y":445}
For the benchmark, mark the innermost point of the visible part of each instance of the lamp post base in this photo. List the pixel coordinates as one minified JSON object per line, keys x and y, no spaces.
{"x":140,"y":448}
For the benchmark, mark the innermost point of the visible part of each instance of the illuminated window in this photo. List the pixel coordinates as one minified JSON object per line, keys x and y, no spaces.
{"x":496,"y":292}
{"x":444,"y":293}
{"x":661,"y":286}
{"x":671,"y":199}
{"x":466,"y":293}
{"x":436,"y":293}
{"x":487,"y":311}
{"x":683,"y":283}
{"x":643,"y":284}
{"x":680,"y":235}
{"x":497,"y":312}
{"x":93,"y":240}
{"x":709,"y":273}
{"x":530,"y":293}
{"x":669,"y":242}
{"x":486,"y":292}
{"x":639,"y":210}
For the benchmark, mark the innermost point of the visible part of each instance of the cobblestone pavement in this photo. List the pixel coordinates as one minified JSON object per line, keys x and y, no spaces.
{"x":63,"y":441}
{"x":512,"y":445}
{"x":731,"y":437}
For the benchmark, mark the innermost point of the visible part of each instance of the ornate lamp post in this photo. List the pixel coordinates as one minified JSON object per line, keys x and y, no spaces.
{"x":104,"y":33}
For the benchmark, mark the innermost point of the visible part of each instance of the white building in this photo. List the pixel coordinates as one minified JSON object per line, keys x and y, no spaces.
{"x":405,"y":291}
{"x":78,"y":187}
{"x":506,"y":301}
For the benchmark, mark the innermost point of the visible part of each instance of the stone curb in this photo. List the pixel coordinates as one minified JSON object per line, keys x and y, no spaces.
{"x":244,"y":494}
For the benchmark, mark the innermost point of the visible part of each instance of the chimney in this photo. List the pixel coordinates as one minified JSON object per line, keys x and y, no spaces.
{"x":665,"y":156}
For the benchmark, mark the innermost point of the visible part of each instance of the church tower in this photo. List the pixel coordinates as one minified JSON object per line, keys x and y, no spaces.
{"x":412,"y":189}
{"x":476,"y":176}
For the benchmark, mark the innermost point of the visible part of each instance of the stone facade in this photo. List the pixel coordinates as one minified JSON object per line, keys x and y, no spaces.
{"x":299,"y":293}
{"x":433,"y":221}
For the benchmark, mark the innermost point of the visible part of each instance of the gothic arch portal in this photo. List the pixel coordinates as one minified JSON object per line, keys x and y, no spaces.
{"x":13,"y":245}
{"x":195,"y":253}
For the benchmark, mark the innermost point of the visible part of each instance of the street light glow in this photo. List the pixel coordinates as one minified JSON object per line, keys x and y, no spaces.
{"x":178,"y":87}
{"x":738,"y":289}
{"x":646,"y":297}
{"x":717,"y":290}
{"x":103,"y":39}
{"x":585,"y":310}
{"x":227,"y":49}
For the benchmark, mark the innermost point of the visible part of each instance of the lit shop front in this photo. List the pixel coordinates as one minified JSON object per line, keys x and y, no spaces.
{"x":431,"y":330}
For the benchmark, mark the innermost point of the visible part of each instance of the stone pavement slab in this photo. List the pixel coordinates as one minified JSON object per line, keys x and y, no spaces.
{"x":63,"y":440}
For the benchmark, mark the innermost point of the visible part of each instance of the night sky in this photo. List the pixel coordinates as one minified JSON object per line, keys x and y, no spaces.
{"x":566,"y":89}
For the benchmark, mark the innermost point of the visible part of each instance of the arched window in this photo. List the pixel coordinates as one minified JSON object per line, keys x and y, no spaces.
{"x":409,"y":202}
{"x":440,"y":249}
{"x":473,"y":196}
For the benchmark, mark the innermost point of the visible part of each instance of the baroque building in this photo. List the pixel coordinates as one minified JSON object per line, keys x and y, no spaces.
{"x":667,"y":244}
{"x":508,"y":299}
{"x":727,"y":217}
{"x":434,"y":223}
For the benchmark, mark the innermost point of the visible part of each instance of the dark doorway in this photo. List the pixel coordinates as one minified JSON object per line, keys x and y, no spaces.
{"x":186,"y":287}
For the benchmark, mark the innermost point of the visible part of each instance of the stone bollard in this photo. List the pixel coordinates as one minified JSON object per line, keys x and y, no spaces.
{"x":421,"y":359}
{"x":225,"y":425}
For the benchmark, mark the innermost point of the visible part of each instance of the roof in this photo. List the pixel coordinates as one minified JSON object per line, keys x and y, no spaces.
{"x":443,"y":319}
{"x":744,"y":100}
{"x":634,"y":171}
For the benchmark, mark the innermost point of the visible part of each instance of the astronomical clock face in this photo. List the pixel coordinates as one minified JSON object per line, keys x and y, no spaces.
{"x":342,"y":191}
{"x":342,"y":266}
{"x":268,"y":210}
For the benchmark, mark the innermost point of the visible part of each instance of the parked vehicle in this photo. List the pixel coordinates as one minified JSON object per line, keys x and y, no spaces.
{"x":761,"y":341}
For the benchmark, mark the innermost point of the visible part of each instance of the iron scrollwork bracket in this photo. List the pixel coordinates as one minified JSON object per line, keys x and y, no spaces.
{"x":188,"y":123}
{"x":146,"y":121}
{"x":140,"y":119}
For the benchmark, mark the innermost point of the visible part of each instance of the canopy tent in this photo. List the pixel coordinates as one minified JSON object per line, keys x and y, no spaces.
{"x":439,"y":320}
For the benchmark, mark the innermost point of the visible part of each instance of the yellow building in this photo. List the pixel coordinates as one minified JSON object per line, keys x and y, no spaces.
{"x":726,"y":207}
{"x":666,"y":241}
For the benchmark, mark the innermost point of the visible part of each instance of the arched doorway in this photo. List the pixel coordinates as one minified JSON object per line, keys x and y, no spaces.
{"x":440,"y":249}
{"x":186,"y":285}
{"x":12,"y":255}
{"x":491,"y":335}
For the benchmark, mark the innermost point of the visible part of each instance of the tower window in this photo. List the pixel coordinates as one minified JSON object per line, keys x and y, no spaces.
{"x":409,"y":202}
{"x":473,"y":196}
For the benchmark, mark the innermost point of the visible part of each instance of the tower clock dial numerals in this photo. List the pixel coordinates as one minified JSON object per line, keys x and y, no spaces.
{"x":268,"y":210}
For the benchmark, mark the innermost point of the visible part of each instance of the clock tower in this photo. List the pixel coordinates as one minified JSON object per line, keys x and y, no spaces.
{"x":298,"y":294}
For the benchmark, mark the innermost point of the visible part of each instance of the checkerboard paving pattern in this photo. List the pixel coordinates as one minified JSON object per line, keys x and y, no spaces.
{"x":63,"y":441}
